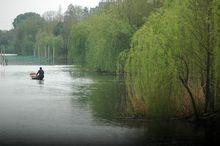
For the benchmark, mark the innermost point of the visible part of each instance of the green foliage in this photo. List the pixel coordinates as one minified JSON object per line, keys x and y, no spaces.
{"x":217,"y":41}
{"x":107,"y":38}
{"x":135,"y":12}
{"x":78,"y":40}
{"x":26,"y":30}
{"x":173,"y":44}
{"x":122,"y":58}
{"x":7,"y":39}
{"x":97,"y":40}
{"x":156,"y":61}
{"x":20,"y":19}
{"x":49,"y":46}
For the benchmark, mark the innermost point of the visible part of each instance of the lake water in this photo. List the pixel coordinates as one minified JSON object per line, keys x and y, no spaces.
{"x":71,"y":107}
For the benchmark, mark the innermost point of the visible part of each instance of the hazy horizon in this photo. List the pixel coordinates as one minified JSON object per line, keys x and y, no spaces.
{"x":11,"y":8}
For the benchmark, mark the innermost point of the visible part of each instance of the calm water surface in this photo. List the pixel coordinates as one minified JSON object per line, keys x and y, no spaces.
{"x":74,"y":108}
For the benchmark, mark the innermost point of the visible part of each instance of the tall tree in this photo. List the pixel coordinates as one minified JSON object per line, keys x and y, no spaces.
{"x":26,"y":26}
{"x":203,"y":32}
{"x":72,"y":16}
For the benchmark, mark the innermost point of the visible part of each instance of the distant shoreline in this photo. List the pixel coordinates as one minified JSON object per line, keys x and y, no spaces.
{"x":10,"y":54}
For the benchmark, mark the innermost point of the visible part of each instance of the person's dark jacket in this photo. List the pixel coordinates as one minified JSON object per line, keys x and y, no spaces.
{"x":40,"y":74}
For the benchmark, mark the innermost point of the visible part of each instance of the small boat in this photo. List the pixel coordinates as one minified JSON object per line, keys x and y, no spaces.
{"x":33,"y":75}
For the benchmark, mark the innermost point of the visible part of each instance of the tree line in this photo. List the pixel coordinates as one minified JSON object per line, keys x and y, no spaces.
{"x":168,"y":51}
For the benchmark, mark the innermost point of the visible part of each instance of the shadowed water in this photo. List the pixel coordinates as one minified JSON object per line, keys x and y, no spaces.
{"x":74,"y":108}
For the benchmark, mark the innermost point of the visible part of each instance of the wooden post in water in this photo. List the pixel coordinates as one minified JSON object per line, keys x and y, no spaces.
{"x":45,"y":52}
{"x":53,"y":55}
{"x":38,"y":50}
{"x":48,"y":54}
{"x":2,"y":55}
{"x":34,"y":51}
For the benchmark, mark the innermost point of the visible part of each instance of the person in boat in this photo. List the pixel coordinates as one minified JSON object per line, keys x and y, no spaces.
{"x":39,"y":75}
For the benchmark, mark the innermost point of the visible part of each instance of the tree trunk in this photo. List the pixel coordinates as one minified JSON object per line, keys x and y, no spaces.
{"x":210,"y":71}
{"x":185,"y":84}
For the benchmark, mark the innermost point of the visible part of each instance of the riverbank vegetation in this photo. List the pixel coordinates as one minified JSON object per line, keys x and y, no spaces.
{"x":172,"y":65}
{"x":168,"y":50}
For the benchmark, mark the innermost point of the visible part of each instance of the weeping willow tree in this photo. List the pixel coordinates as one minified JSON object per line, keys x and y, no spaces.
{"x":77,"y":43}
{"x":107,"y":38}
{"x":171,"y":66}
{"x":97,"y":40}
{"x":135,"y":12}
{"x":151,"y":67}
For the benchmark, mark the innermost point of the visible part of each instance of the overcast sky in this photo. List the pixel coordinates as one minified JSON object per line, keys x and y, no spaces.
{"x":9,"y":9}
